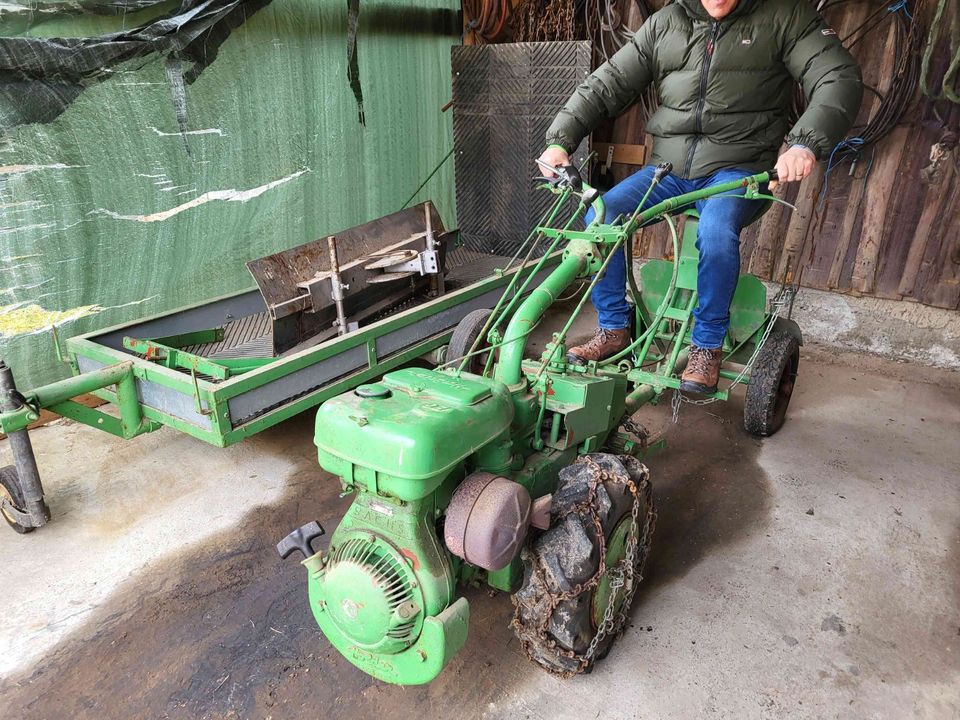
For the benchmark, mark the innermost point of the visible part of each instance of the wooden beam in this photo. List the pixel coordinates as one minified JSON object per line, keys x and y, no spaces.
{"x":624,"y":153}
{"x":930,"y":219}
{"x":799,"y":227}
{"x":846,"y":233}
{"x":876,"y":204}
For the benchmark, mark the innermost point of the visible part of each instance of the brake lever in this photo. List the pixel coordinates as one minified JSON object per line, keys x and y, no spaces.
{"x":550,"y":180}
{"x":565,"y":175}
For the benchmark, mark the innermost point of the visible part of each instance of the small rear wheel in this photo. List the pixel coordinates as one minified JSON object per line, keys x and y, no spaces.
{"x":771,"y":385}
{"x":11,"y":493}
{"x":464,"y":335}
{"x":578,"y":581}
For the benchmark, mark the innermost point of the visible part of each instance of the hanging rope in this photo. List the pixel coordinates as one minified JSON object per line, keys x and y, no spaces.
{"x":486,"y":19}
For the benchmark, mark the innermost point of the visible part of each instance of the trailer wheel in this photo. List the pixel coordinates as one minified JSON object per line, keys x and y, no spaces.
{"x":11,"y":492}
{"x":771,"y":384}
{"x":563,"y":600}
{"x":464,"y":335}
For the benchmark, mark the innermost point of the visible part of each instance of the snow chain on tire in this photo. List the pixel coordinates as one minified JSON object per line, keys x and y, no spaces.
{"x":533,"y":632}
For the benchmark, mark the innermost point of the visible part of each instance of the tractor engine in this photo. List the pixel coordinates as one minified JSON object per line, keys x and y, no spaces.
{"x":383,"y":593}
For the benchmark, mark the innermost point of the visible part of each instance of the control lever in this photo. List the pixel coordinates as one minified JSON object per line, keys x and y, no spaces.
{"x":661,"y":171}
{"x":563,"y":175}
{"x":300,"y":539}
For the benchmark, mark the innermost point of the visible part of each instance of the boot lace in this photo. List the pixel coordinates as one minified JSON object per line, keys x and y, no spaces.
{"x":599,"y":339}
{"x":699,"y":360}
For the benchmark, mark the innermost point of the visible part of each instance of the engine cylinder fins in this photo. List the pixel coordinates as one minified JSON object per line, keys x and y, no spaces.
{"x":370,"y":593}
{"x":487,"y":520}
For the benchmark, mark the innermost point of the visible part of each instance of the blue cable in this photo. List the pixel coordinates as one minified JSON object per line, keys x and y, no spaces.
{"x":900,"y":5}
{"x":852,"y":145}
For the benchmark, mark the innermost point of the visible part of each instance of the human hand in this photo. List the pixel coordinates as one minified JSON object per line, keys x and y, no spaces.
{"x":553,"y":156}
{"x":794,"y":165}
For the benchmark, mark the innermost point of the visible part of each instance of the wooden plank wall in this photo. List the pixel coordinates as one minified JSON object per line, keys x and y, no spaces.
{"x":879,"y":228}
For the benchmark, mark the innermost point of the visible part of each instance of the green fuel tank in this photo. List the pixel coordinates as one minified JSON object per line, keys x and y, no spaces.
{"x":403,"y":436}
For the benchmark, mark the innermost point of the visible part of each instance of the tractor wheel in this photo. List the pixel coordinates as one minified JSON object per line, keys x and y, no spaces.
{"x":464,"y":335}
{"x":570,"y":600}
{"x":771,"y":384}
{"x":11,"y":492}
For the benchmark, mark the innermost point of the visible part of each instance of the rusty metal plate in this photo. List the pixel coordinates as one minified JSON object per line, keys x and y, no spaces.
{"x":277,"y":275}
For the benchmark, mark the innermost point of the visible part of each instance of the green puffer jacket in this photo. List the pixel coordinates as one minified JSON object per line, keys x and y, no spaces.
{"x":725,"y":87}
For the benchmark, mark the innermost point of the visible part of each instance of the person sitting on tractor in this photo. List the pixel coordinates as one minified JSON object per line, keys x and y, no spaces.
{"x":724,"y":73}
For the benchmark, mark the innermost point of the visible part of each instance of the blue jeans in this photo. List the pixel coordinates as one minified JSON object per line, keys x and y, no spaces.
{"x":718,"y":240}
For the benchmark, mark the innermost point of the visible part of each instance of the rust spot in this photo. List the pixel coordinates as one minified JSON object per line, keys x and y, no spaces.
{"x":410,"y":555}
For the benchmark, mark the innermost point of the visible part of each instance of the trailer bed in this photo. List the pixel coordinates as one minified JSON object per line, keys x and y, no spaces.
{"x":224,"y":410}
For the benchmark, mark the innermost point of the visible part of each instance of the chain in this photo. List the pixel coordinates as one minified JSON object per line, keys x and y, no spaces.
{"x":638,"y":431}
{"x":624,"y":575}
{"x":781,"y":301}
{"x":547,"y":20}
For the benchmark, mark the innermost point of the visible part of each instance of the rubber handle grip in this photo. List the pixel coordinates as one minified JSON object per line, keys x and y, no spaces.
{"x":300,"y":539}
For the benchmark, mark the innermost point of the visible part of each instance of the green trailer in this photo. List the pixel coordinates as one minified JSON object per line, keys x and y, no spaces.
{"x":229,"y":368}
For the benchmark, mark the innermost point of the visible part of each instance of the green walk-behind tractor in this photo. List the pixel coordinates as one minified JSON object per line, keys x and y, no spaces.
{"x":524,"y":474}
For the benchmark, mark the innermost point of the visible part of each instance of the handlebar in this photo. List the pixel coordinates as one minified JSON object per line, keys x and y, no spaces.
{"x":569,"y":177}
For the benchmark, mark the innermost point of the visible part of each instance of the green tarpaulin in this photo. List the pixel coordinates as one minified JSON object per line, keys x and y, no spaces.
{"x":144,"y":182}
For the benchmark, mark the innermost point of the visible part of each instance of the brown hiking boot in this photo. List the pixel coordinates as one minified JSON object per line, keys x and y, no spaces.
{"x":703,"y":371}
{"x":602,"y":345}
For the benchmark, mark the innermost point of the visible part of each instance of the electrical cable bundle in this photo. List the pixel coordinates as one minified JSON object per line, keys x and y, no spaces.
{"x":903,"y":84}
{"x":607,"y":31}
{"x":486,"y":19}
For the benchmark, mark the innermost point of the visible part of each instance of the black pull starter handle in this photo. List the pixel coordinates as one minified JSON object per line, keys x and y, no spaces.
{"x":300,"y":539}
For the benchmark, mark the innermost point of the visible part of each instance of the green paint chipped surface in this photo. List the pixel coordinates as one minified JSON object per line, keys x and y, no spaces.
{"x":109,"y":204}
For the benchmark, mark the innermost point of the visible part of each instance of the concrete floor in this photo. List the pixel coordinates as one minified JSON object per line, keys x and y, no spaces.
{"x":811,"y":575}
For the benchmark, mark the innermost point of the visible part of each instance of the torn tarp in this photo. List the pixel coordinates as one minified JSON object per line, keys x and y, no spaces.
{"x":40,"y":76}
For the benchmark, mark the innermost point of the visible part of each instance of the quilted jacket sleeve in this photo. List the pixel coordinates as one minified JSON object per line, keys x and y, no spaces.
{"x":607,"y":92}
{"x":830,"y":78}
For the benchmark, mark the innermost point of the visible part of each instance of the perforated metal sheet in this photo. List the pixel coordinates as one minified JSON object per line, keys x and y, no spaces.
{"x":504,"y":99}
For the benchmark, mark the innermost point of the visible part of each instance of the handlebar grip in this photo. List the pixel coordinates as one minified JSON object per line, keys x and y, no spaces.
{"x":773,"y":174}
{"x":662,"y":170}
{"x":576,"y":182}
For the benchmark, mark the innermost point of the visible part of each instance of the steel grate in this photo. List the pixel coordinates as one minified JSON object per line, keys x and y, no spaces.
{"x":504,"y":98}
{"x":249,"y":336}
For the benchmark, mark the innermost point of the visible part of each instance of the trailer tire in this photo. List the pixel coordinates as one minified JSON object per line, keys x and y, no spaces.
{"x":10,"y":490}
{"x":464,"y":335}
{"x":558,"y":607}
{"x":771,"y":384}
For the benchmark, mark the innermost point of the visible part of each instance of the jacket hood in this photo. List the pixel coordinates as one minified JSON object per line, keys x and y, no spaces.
{"x":695,"y":9}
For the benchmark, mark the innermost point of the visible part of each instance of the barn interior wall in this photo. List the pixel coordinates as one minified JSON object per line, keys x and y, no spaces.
{"x":885,"y":226}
